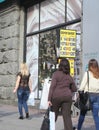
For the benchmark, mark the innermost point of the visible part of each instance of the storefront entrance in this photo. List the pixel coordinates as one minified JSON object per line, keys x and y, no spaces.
{"x":44,"y":21}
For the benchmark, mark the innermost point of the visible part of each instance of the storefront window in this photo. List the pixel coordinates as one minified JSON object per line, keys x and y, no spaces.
{"x":33,"y":19}
{"x":32,"y":49}
{"x":47,"y":54}
{"x":77,"y":27}
{"x":42,"y":36}
{"x":52,"y":12}
{"x":73,"y":9}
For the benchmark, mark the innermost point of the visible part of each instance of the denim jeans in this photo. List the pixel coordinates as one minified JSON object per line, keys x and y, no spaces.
{"x":95,"y":108}
{"x":81,"y":119}
{"x":22,"y":95}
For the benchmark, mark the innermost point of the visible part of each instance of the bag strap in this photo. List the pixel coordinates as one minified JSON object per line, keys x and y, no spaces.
{"x":88,"y":79}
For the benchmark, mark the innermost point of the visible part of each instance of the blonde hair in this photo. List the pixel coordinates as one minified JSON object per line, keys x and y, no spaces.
{"x":24,"y":69}
{"x":94,"y":68}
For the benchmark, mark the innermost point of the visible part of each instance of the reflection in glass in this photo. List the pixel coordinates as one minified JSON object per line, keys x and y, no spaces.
{"x":32,"y":59}
{"x":52,"y":13}
{"x":47,"y":54}
{"x":73,"y":9}
{"x":76,"y":27}
{"x":33,"y":18}
{"x":77,"y":68}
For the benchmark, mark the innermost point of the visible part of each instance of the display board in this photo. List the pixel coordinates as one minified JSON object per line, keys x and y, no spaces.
{"x":67,"y":43}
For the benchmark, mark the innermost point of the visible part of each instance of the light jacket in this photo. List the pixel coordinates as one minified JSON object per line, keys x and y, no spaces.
{"x":93,"y":83}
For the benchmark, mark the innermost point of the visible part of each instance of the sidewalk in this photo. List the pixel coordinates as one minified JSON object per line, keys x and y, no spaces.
{"x":9,"y":120}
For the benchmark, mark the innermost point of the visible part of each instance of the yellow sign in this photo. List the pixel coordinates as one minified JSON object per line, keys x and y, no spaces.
{"x":71,"y":61}
{"x":67,"y":43}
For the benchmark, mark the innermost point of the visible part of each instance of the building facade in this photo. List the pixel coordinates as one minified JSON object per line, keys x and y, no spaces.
{"x":30,"y":31}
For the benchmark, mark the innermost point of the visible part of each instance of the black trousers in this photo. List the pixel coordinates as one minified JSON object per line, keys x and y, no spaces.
{"x":63,"y":103}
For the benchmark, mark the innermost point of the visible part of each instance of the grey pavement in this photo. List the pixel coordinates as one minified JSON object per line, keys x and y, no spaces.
{"x":9,"y":120}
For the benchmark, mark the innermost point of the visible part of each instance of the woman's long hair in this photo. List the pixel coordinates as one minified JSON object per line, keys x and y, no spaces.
{"x":64,"y":66}
{"x":24,"y":69}
{"x":94,"y":68}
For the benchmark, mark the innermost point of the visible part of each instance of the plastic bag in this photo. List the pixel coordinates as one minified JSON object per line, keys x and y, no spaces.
{"x":31,"y":100}
{"x":52,"y":120}
{"x":75,"y":96}
{"x":44,"y":97}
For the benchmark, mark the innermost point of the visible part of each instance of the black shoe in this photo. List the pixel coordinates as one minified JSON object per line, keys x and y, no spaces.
{"x":74,"y":128}
{"x":27,"y":115}
{"x":21,"y":117}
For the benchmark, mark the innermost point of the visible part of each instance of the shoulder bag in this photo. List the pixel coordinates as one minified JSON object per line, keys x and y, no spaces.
{"x":83,"y":102}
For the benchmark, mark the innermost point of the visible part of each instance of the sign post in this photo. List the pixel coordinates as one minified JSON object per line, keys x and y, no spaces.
{"x":68,"y":46}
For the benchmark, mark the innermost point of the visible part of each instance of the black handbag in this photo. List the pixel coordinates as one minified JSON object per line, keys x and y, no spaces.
{"x":88,"y":103}
{"x":46,"y":122}
{"x":83,"y":103}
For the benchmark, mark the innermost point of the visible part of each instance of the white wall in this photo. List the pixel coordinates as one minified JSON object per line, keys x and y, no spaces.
{"x":90,"y":39}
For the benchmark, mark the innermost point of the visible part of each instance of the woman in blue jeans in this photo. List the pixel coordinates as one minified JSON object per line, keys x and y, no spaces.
{"x":93,"y":70}
{"x":95,"y":108}
{"x":23,"y":88}
{"x":81,"y":119}
{"x":23,"y":95}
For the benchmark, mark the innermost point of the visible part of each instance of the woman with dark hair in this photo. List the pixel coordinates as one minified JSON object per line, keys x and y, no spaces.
{"x":60,"y":93}
{"x":93,"y":71}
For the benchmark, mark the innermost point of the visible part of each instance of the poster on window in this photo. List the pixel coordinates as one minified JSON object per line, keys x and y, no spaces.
{"x":67,"y":43}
